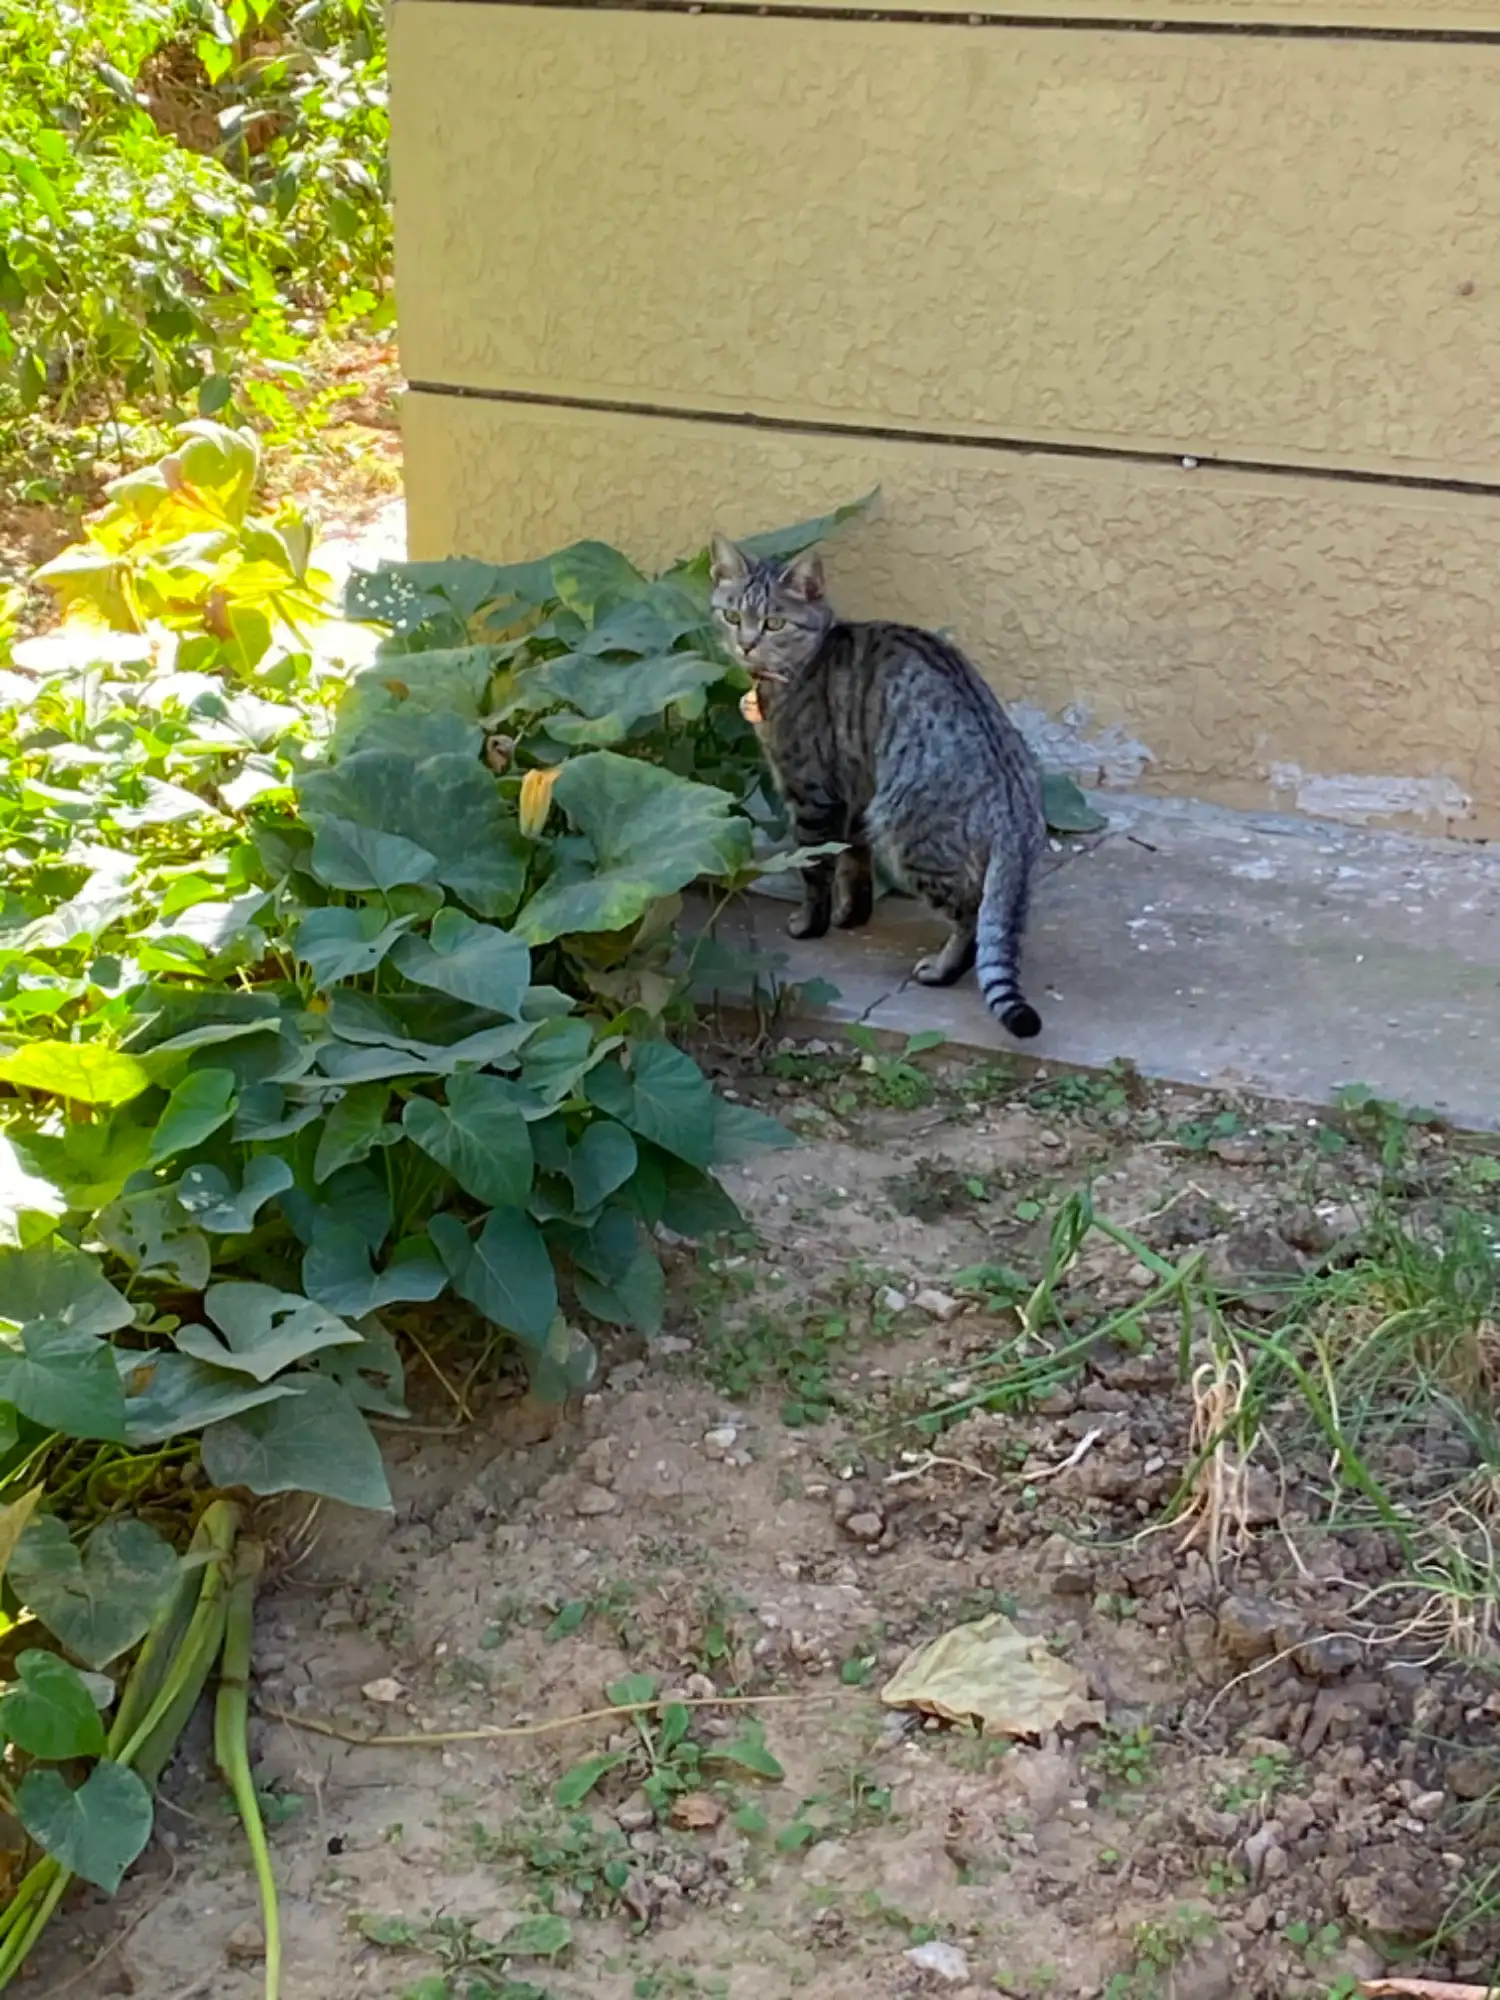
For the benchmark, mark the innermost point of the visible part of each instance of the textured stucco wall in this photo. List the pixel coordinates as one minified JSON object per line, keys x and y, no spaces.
{"x":1247,"y":630}
{"x":1429,"y":16}
{"x":1196,"y":243}
{"x":992,"y":245}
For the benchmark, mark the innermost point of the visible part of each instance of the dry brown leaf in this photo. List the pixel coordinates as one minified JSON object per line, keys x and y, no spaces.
{"x":696,"y":1810}
{"x":991,"y":1675}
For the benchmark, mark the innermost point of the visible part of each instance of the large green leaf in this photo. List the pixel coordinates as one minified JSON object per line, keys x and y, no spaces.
{"x":170,"y":1395}
{"x":197,"y":1107}
{"x":341,"y":944}
{"x":53,"y":1281}
{"x":65,"y":1381}
{"x":313,"y":1442}
{"x":673,"y":1103}
{"x":612,"y":699}
{"x":651,"y":832}
{"x":83,"y":1072}
{"x":479,"y":1136}
{"x":740,"y":1131}
{"x":265,"y":1330}
{"x":338,"y":1273}
{"x":96,"y":1831}
{"x":346,"y":855}
{"x":408,"y":595}
{"x":446,"y":804}
{"x":99,"y":1602}
{"x":470,"y":961}
{"x":506,"y":1273}
{"x":591,"y":574}
{"x":48,"y":1712}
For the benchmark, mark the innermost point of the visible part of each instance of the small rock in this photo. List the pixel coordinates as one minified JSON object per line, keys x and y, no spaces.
{"x":696,"y":1812}
{"x":940,"y":1305}
{"x":1051,"y":1138}
{"x":1321,"y":1658}
{"x":245,"y":1943}
{"x":1070,"y":1571}
{"x":626,"y":1374}
{"x":865,"y":1527}
{"x":890,"y":1300}
{"x":1428,"y":1805}
{"x":637,"y":1815}
{"x":384,"y":1691}
{"x":596,"y":1500}
{"x":1251,"y":1628}
{"x":1472,"y":1777}
{"x":720,"y":1439}
{"x":945,"y":1960}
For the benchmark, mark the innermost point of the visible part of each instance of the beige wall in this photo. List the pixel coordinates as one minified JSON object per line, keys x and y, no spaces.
{"x":943,"y":257}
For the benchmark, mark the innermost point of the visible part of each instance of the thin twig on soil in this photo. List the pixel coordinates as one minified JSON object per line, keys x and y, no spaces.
{"x":1423,"y":1989}
{"x":424,"y":1739}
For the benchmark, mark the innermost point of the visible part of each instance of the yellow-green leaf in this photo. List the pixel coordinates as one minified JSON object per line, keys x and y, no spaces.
{"x":83,"y":1072}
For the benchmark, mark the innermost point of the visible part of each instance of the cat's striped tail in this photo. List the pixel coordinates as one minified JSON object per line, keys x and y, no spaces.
{"x":997,"y":957}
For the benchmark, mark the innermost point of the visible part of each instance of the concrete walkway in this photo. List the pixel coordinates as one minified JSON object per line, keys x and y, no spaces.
{"x":1285,"y":954}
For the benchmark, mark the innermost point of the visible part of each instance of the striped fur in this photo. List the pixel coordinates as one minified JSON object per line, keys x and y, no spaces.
{"x":885,"y":737}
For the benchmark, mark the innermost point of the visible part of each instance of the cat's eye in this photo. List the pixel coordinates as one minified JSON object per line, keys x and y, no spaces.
{"x":731,"y":618}
{"x":775,"y":624}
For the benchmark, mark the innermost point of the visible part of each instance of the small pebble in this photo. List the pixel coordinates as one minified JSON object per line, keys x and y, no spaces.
{"x":596,"y":1500}
{"x":940,"y":1305}
{"x":891,"y":1301}
{"x":385,"y":1691}
{"x":946,"y":1961}
{"x":721,"y":1439}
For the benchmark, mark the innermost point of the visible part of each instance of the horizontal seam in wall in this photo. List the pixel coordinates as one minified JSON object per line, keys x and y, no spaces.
{"x":1289,"y":31}
{"x":1012,"y":446}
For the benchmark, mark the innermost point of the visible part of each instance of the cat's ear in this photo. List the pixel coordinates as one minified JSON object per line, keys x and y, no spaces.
{"x":727,"y":562}
{"x":803,"y":577}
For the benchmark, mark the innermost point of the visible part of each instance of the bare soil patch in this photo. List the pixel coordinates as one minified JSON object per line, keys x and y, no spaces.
{"x":1286,"y":1797}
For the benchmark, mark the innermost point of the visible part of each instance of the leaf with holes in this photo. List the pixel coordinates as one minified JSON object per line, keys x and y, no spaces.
{"x":265,"y":1330}
{"x":101,"y":1601}
{"x":209,"y":1198}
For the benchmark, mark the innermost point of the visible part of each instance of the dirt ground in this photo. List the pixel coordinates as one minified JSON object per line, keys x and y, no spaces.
{"x":1279,"y":1800}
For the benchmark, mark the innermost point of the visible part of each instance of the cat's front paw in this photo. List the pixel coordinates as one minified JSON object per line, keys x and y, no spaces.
{"x":811,"y":921}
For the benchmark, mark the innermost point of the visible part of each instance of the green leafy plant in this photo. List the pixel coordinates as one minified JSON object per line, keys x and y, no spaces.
{"x":189,"y":188}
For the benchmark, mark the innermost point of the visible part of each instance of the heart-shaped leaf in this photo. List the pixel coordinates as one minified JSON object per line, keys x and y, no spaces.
{"x":96,"y":1831}
{"x":65,"y":1381}
{"x":476,"y":962}
{"x":53,"y":1281}
{"x":651,"y":832}
{"x":506,"y":1273}
{"x":99,"y":1602}
{"x":673,"y":1104}
{"x":351,"y":1130}
{"x":339,"y":944}
{"x":266,"y":1330}
{"x":478,"y":1135}
{"x":337,"y":1271}
{"x":149,"y":1232}
{"x":50,"y":1713}
{"x":603,"y":1160}
{"x":198,"y":1106}
{"x":169,"y":1394}
{"x":313,"y":1442}
{"x":637,"y":1299}
{"x":346,"y":855}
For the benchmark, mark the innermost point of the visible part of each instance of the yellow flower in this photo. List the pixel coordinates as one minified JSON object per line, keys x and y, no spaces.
{"x":536,"y":799}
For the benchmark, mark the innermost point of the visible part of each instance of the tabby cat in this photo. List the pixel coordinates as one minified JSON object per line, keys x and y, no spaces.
{"x":885,"y":737}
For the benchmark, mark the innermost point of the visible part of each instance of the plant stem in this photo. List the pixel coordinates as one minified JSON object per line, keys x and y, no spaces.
{"x":232,"y":1743}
